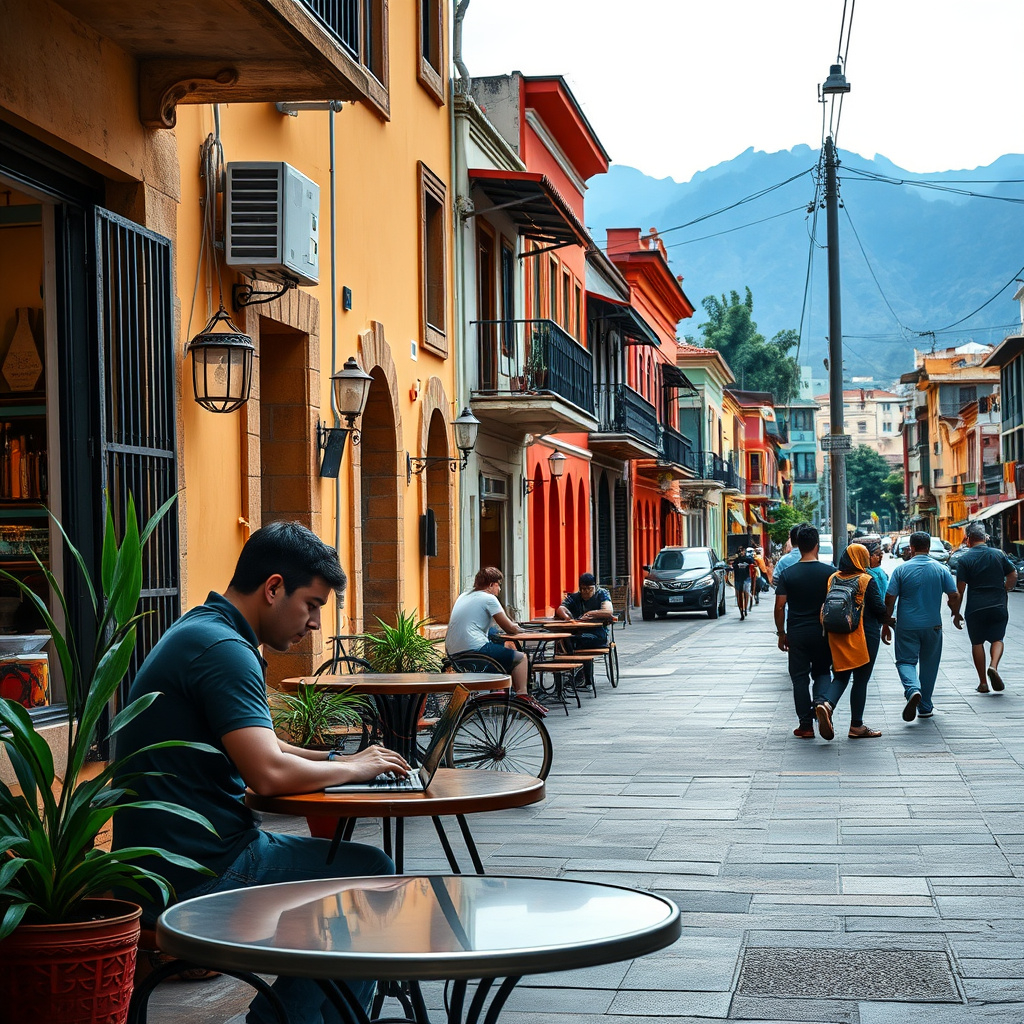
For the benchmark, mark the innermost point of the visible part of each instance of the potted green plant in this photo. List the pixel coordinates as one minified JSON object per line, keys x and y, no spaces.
{"x":67,"y":951}
{"x":402,"y":647}
{"x":536,"y":367}
{"x":315,"y":718}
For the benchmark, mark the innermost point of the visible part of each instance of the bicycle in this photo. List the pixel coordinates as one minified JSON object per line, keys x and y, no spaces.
{"x":495,"y":731}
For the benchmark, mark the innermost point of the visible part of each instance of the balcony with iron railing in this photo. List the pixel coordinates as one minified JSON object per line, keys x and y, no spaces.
{"x":677,"y":451}
{"x":532,"y":378}
{"x":992,"y":478}
{"x":627,"y":423}
{"x":760,"y":489}
{"x":712,"y":470}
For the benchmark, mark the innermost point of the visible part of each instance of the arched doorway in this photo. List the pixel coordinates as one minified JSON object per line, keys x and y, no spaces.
{"x":538,"y":545}
{"x":582,"y":534}
{"x":380,"y":509}
{"x":439,"y":565}
{"x":555,"y":592}
{"x":569,"y":532}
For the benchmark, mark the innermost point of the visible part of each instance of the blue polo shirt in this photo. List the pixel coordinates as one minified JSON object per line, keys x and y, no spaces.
{"x":918,"y":586}
{"x":788,"y":559}
{"x":209,"y":675}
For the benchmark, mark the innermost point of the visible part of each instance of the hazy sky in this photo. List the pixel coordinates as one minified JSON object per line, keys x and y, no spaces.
{"x":676,"y":86}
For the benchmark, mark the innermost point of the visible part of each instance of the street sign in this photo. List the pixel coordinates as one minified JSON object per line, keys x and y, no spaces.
{"x":836,"y":443}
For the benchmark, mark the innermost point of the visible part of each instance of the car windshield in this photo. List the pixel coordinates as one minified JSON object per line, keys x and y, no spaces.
{"x":937,"y":544}
{"x":687,"y":558}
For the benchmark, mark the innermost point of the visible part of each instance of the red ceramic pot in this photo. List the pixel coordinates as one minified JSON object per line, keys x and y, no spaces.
{"x":78,"y":972}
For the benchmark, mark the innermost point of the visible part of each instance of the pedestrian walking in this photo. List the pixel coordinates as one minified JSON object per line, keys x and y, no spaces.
{"x":763,"y":571}
{"x":791,"y":556}
{"x":741,"y":566}
{"x":799,"y":595}
{"x":854,"y":598}
{"x":915,"y":591}
{"x":988,"y":576}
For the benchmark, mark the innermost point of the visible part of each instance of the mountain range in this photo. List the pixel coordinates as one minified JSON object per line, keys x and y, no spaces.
{"x":931,"y":254}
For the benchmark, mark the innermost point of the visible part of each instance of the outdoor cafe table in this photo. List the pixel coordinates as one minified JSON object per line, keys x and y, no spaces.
{"x":398,"y":697}
{"x":413,"y":928}
{"x":455,"y":791}
{"x":533,"y":642}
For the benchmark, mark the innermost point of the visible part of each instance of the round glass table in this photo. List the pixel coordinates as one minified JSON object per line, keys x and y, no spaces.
{"x":413,"y":928}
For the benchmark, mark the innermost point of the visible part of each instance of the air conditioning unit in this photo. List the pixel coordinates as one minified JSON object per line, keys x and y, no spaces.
{"x":272,"y":218}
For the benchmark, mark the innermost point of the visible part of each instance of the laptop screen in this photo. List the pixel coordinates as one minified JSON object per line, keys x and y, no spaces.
{"x":443,"y":732}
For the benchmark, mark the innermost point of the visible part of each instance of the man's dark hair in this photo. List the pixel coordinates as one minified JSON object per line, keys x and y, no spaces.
{"x":588,"y":579}
{"x":794,"y":530}
{"x":807,"y":539}
{"x":291,"y":551}
{"x":486,"y":577}
{"x":920,"y":541}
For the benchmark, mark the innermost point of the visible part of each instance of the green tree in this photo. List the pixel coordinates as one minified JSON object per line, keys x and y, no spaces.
{"x":866,"y":476}
{"x":785,"y":517}
{"x":894,"y":495}
{"x":759,"y":365}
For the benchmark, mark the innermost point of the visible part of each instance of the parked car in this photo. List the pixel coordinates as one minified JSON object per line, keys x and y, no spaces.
{"x":684,"y":580}
{"x":902,"y":543}
{"x":938,"y":550}
{"x":826,"y":553}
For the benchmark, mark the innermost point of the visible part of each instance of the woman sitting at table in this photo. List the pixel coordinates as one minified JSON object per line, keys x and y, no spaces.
{"x":471,"y":619}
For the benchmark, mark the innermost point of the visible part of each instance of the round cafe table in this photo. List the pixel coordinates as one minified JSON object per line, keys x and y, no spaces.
{"x":413,"y":928}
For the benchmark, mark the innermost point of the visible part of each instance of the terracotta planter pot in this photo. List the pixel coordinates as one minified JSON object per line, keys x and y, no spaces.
{"x":77,"y":973}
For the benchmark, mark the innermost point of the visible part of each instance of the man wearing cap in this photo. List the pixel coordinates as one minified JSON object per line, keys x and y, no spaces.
{"x":988,"y":576}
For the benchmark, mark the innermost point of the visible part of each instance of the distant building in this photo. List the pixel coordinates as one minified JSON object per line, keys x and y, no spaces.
{"x":871,"y":416}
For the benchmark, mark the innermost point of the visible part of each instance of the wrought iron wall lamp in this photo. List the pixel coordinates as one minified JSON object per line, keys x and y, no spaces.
{"x":556,"y":462}
{"x":350,"y":389}
{"x":466,"y":428}
{"x":221,"y":365}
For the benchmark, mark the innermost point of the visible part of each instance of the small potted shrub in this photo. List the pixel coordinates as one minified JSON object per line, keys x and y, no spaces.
{"x":316,"y":718}
{"x":67,"y":951}
{"x":402,"y":647}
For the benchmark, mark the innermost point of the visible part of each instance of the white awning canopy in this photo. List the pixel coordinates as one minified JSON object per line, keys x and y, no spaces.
{"x":994,"y":510}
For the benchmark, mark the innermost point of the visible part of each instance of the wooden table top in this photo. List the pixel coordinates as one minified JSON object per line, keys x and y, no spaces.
{"x":401,"y":682}
{"x":451,"y":791}
{"x":542,"y":634}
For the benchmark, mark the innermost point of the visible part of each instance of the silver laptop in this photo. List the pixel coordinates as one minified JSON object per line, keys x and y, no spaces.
{"x":419,"y":778}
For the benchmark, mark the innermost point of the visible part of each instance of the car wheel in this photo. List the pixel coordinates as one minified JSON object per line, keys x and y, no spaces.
{"x":721,"y":606}
{"x":647,"y":613}
{"x":715,"y":610}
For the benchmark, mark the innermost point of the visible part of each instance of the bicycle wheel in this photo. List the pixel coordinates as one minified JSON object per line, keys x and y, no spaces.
{"x":501,"y":735}
{"x":343,"y":665}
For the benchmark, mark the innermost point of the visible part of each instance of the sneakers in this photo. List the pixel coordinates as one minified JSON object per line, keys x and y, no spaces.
{"x":910,"y":711}
{"x":823,"y":713}
{"x":533,"y":704}
{"x":925,"y":714}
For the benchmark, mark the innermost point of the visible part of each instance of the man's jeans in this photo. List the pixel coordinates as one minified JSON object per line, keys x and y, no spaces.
{"x":273,"y":857}
{"x":810,"y":658}
{"x":915,"y":646}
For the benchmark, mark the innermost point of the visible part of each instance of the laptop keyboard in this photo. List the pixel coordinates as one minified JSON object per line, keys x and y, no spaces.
{"x":390,"y":781}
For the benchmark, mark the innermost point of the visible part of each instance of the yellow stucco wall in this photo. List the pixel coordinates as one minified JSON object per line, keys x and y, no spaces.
{"x":86,"y":106}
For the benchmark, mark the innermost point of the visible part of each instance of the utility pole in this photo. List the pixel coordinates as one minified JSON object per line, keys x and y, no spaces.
{"x":835,"y":357}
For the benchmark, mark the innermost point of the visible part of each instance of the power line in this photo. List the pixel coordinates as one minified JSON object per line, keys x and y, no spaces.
{"x":866,"y":175}
{"x":871,"y":271}
{"x":739,"y":227}
{"x":760,"y":194}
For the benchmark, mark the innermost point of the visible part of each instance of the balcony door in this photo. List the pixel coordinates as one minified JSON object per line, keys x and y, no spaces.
{"x":487,"y":306}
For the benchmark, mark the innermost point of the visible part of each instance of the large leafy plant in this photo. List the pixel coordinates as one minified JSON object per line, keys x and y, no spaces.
{"x":49,"y":862}
{"x":310,"y":716}
{"x":402,"y":647}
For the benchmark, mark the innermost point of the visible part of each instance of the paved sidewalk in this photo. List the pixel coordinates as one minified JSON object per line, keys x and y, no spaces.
{"x":863,"y":882}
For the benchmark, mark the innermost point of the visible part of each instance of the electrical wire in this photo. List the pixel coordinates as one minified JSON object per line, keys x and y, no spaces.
{"x":739,"y":227}
{"x":865,"y":175}
{"x":760,"y":194}
{"x":871,"y":270}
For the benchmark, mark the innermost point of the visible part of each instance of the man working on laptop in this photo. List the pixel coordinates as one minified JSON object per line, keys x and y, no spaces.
{"x":590,"y":604}
{"x":209,"y":675}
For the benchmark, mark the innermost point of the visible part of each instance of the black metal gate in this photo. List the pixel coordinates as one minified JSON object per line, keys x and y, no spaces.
{"x":137,"y":438}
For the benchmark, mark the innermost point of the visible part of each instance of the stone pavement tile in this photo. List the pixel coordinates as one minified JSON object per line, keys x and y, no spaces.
{"x":988,"y":967}
{"x":907,"y":923}
{"x":661,"y":867}
{"x":561,"y":1000}
{"x":606,"y":976}
{"x":688,"y":974}
{"x":981,"y":908}
{"x":992,"y":948}
{"x":904,"y":1013}
{"x":876,"y":885}
{"x":752,"y":869}
{"x":708,"y":902}
{"x":992,"y":990}
{"x":669,"y":1004}
{"x":851,"y":903}
{"x":764,"y":1008}
{"x":764,"y":920}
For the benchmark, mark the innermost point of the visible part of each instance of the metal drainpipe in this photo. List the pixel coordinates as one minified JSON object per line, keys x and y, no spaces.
{"x":332,"y":107}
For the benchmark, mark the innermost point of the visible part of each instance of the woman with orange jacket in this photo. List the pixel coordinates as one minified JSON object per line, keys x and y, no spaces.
{"x":854,"y":653}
